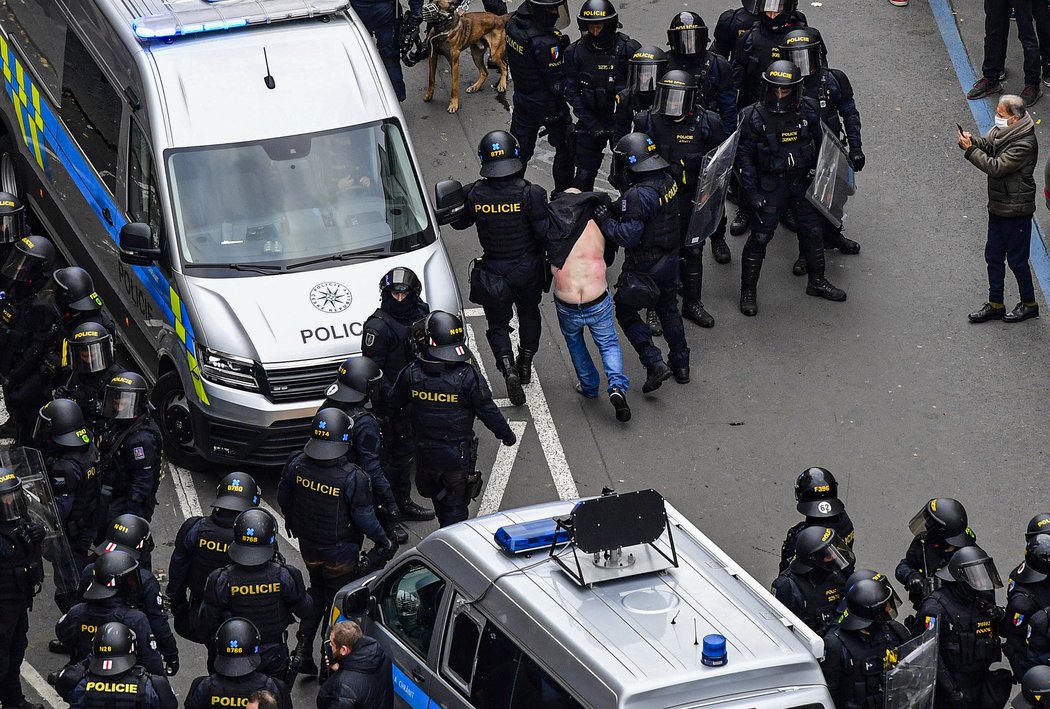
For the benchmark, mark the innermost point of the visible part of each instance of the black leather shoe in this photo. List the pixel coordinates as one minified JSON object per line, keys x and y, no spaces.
{"x":749,"y":303}
{"x":1021,"y":312}
{"x":58,"y":647}
{"x":619,"y":401}
{"x":695,"y":312}
{"x":653,"y":321}
{"x":415,"y":512}
{"x":986,"y":313}
{"x":400,"y":536}
{"x":681,"y":375}
{"x":799,"y":267}
{"x":720,"y":250}
{"x":656,"y":374}
{"x":741,"y":223}
{"x":824,"y":289}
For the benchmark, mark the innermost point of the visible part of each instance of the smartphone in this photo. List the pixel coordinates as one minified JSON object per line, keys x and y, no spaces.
{"x":961,"y":131}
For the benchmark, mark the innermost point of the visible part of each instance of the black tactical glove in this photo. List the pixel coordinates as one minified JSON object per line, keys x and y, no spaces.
{"x":601,"y":213}
{"x":171,"y":665}
{"x":916,"y":588}
{"x":857,"y":158}
{"x":378,"y":555}
{"x":31,"y":533}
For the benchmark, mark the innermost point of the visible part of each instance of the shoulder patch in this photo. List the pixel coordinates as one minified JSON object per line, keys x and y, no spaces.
{"x":555,"y":52}
{"x":370,"y":338}
{"x":931,"y":622}
{"x":1018,"y":620}
{"x":138,"y":453}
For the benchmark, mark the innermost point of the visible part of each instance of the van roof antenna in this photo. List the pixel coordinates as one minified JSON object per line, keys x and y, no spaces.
{"x":268,"y":79}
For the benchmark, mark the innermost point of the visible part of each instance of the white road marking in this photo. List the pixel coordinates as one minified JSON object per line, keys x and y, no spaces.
{"x":189,"y":503}
{"x":41,"y":687}
{"x":471,"y":340}
{"x":500,"y":475}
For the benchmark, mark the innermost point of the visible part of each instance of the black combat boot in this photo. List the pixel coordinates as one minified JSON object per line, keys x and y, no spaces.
{"x":656,"y":374}
{"x":720,"y":249}
{"x":692,"y":285}
{"x":410,"y":509}
{"x":693,"y":311}
{"x":749,"y":271}
{"x":741,"y":222}
{"x":653,"y":321}
{"x":799,"y":267}
{"x":524,"y":365}
{"x":510,"y":375}
{"x":818,"y":285}
{"x":834,"y":239}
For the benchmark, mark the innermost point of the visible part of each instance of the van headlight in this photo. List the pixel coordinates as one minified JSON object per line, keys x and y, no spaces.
{"x":220,"y":368}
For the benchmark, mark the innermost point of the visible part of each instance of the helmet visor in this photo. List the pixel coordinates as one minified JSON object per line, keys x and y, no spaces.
{"x":643,"y":77}
{"x":807,"y":59}
{"x":982,"y":576}
{"x":772,"y":5}
{"x":834,"y":557}
{"x":12,"y":227}
{"x":692,"y":40}
{"x":918,"y":524}
{"x":123,"y":403}
{"x":13,"y":505}
{"x":21,"y":266}
{"x":92,"y":357}
{"x":563,"y":17}
{"x":783,"y":99}
{"x":674,"y":101}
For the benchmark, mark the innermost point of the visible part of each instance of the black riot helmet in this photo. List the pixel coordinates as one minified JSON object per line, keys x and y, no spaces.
{"x":237,"y":492}
{"x":761,"y":7}
{"x":817,"y":493}
{"x":942,"y":520}
{"x":869,"y":575}
{"x":12,"y":497}
{"x":675,"y":94}
{"x":1035,"y":687}
{"x":804,"y":48}
{"x":75,"y":291}
{"x":645,"y":67}
{"x":356,"y":381}
{"x":12,"y":218}
{"x":499,"y":155}
{"x":635,"y":154}
{"x":90,"y":348}
{"x":1037,"y":557}
{"x":127,"y":533}
{"x":687,"y":34}
{"x":549,"y":14}
{"x":61,"y":422}
{"x":329,"y":435}
{"x":125,"y":396}
{"x":972,"y":566}
{"x":820,"y":548}
{"x":601,"y":14}
{"x":406,"y":284}
{"x":867,"y":602}
{"x":112,"y":650}
{"x":112,"y":573}
{"x":30,"y":259}
{"x":1040,"y":524}
{"x":444,"y":338}
{"x":236,"y":645}
{"x":254,"y":538}
{"x":783,"y":92}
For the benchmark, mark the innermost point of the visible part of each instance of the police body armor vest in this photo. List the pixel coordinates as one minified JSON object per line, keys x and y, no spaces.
{"x":124,"y":691}
{"x":501,"y":217}
{"x":440,"y":410}
{"x":255,"y":594}
{"x":1039,"y":591}
{"x":821,"y":593}
{"x":969,"y":641}
{"x":683,"y":144}
{"x":866,"y":679}
{"x":210,"y":553}
{"x":20,"y":572}
{"x":520,"y":61}
{"x":234,"y":691}
{"x":93,"y":618}
{"x":85,"y":500}
{"x":596,"y":72}
{"x":662,"y":231}
{"x":785,"y":145}
{"x":144,"y":430}
{"x":400,"y":353}
{"x":320,"y":514}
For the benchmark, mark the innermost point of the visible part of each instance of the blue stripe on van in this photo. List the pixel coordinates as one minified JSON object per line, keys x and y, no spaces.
{"x":408,"y":690}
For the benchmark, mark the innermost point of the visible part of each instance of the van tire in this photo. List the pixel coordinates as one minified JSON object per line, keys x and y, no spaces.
{"x":176,"y":424}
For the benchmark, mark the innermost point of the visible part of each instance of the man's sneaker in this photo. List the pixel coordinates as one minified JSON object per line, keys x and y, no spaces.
{"x":653,"y":321}
{"x":899,"y":3}
{"x":411,"y":510}
{"x":984,"y":87}
{"x":619,"y":401}
{"x":1030,"y":94}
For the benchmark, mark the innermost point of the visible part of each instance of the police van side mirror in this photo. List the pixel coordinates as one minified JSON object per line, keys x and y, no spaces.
{"x":450,"y":200}
{"x":136,"y":245}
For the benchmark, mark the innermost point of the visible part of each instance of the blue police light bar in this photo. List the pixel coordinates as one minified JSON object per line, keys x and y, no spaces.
{"x":530,"y":536}
{"x":185,"y":17}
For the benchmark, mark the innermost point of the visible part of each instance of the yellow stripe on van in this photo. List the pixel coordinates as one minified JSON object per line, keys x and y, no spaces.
{"x":191,"y":360}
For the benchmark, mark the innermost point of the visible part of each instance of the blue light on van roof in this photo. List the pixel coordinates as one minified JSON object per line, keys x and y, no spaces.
{"x":149,"y":30}
{"x":182,"y":17}
{"x":529,"y":536}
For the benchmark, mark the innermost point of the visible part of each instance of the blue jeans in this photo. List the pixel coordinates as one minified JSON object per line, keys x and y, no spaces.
{"x":599,"y":318}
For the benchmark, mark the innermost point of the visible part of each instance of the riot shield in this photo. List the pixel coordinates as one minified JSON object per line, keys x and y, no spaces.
{"x":709,"y":203}
{"x":834,"y":180}
{"x":911,"y":681}
{"x":28,"y":465}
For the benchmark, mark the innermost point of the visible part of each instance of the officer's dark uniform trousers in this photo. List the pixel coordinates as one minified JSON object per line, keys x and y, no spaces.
{"x":380,"y":18}
{"x":18,"y":564}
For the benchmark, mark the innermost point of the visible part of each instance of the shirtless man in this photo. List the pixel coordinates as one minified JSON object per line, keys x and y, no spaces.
{"x":579,"y":255}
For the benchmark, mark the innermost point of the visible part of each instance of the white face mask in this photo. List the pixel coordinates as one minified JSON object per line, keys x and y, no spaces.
{"x":1000,"y":122}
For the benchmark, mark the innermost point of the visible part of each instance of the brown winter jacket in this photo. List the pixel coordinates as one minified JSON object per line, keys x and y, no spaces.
{"x":1009,"y":166}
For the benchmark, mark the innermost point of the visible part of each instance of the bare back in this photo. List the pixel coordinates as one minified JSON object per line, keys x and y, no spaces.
{"x":582,"y":278}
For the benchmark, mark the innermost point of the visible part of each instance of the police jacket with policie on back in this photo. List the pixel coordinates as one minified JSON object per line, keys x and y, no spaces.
{"x":219,"y":691}
{"x":267,"y":595}
{"x":510,"y":214}
{"x":134,"y":689}
{"x":77,"y":629}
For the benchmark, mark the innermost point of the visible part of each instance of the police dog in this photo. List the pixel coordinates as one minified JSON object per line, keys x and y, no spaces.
{"x":451,"y":32}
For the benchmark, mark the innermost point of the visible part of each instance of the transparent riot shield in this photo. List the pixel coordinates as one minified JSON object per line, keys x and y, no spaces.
{"x":28,"y":465}
{"x":709,"y":203}
{"x":911,"y":681}
{"x":834,"y":180}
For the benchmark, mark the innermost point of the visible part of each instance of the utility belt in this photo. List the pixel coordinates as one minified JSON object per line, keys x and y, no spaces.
{"x":468,"y":452}
{"x":647,"y":259}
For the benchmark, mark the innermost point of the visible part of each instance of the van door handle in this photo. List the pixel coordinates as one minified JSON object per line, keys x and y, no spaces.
{"x":417,"y":675}
{"x":107,"y":216}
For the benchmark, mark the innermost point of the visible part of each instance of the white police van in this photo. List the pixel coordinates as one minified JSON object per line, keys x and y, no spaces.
{"x":237,"y":177}
{"x":632,"y":607}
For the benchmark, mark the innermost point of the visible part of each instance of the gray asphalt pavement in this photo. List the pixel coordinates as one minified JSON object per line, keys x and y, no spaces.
{"x":892,"y":390}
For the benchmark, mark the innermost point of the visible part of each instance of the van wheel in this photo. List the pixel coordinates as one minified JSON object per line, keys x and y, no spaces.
{"x":176,"y":424}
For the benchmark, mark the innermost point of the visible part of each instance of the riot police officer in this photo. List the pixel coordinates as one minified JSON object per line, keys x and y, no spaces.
{"x":130,"y":447}
{"x":1035,"y":689}
{"x":857,"y":651}
{"x":114,"y":578}
{"x":535,"y":54}
{"x":939,"y":528}
{"x":235,"y":678}
{"x":969,"y":628}
{"x":116,"y":676}
{"x":817,"y":497}
{"x":71,"y":459}
{"x":684,"y":132}
{"x":647,"y":227}
{"x":201,"y":546}
{"x":257,"y":586}
{"x":688,"y":38}
{"x":595,"y":73}
{"x":511,"y":217}
{"x":327,"y":502}
{"x":734,"y":23}
{"x":93,"y":365}
{"x":759,"y":46}
{"x":779,"y":139}
{"x":21,"y":574}
{"x":644,"y":68}
{"x":388,"y":342}
{"x":442,"y":393}
{"x":813,"y":583}
{"x":354,"y":389}
{"x":382,"y":20}
{"x":833,"y":94}
{"x":1027,"y":593}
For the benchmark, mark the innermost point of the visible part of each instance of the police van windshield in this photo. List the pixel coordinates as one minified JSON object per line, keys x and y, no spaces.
{"x":286,"y":203}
